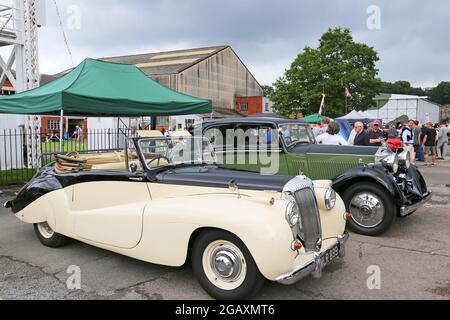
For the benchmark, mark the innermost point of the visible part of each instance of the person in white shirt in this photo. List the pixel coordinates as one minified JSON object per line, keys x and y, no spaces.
{"x":318,"y":130}
{"x":331,"y":137}
{"x":352,"y":136}
{"x":407,"y":136}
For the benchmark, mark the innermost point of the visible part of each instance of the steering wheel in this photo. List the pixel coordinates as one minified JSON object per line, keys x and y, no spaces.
{"x":159,"y":159}
{"x":288,"y":140}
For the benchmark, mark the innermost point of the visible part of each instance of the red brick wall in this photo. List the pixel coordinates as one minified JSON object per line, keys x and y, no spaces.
{"x":255,"y":104}
{"x":44,"y":124}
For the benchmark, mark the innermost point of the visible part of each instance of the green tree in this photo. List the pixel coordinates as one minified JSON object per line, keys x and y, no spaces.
{"x":337,"y":59}
{"x":268,"y":90}
{"x":401,"y":87}
{"x":441,"y":93}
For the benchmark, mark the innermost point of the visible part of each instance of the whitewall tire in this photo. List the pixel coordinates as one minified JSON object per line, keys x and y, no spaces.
{"x":224,"y":266}
{"x":48,"y":237}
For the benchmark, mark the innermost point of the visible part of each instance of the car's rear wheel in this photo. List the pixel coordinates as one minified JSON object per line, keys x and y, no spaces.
{"x":48,"y":237}
{"x":373,"y":210}
{"x":224,"y":266}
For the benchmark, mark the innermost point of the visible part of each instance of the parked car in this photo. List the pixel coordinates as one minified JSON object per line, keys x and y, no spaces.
{"x":164,"y":201}
{"x":375,"y":184}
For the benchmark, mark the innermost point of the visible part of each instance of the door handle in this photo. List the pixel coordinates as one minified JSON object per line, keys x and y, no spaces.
{"x":136,"y":179}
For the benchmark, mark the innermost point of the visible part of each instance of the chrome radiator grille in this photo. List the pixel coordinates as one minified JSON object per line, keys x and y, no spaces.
{"x":310,"y":218}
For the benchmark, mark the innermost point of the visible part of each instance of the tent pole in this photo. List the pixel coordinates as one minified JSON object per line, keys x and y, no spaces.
{"x":61,"y":129}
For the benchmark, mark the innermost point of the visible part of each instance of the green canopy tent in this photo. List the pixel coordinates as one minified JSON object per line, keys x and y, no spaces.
{"x":314,"y":118}
{"x":98,"y":88}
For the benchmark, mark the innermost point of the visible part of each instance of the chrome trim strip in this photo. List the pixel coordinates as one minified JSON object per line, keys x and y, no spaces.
{"x":293,"y":187}
{"x":405,"y":210}
{"x":342,"y":154}
{"x":314,"y":267}
{"x":298,"y":183}
{"x":248,"y":151}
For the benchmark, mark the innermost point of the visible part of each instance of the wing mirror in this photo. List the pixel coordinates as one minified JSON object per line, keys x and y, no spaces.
{"x":232,"y":185}
{"x":133,"y":167}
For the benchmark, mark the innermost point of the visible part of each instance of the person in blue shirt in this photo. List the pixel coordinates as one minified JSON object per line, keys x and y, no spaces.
{"x":268,"y":136}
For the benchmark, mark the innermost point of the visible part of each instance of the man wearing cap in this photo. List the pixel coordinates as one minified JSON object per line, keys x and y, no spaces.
{"x":376,"y":134}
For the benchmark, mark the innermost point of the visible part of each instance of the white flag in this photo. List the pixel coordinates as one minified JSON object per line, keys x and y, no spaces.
{"x":322,"y":106}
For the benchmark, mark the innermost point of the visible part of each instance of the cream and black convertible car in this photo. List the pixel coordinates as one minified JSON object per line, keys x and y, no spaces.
{"x":164,"y":201}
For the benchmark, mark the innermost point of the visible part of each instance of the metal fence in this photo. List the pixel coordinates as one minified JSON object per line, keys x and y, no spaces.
{"x":17,"y":145}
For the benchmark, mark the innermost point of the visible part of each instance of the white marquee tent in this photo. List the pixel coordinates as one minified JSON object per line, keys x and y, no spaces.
{"x":393,"y":106}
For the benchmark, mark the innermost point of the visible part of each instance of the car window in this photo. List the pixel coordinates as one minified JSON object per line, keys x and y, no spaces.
{"x":221,"y":137}
{"x":254,"y":137}
{"x":293,"y":133}
{"x":241,"y":137}
{"x":171,"y":151}
{"x":134,"y":163}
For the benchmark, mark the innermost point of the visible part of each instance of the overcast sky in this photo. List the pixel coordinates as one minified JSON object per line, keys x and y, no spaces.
{"x":413,"y":40}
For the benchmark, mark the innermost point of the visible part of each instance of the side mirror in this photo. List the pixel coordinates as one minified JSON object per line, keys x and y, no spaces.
{"x":232,"y":185}
{"x":133,"y":167}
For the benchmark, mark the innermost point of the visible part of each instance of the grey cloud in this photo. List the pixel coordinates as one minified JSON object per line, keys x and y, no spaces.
{"x":267,"y":35}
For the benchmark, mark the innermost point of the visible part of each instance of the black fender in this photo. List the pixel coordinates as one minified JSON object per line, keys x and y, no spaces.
{"x":36,"y":188}
{"x":420,"y":187}
{"x":376,"y":174}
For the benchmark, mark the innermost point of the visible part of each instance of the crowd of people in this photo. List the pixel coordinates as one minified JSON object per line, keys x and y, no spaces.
{"x":422,"y":141}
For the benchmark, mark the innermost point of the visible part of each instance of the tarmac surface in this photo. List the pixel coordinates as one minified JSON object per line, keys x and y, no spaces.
{"x":412,"y":260}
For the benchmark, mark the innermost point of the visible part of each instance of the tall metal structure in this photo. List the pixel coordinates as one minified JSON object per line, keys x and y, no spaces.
{"x":19,"y":30}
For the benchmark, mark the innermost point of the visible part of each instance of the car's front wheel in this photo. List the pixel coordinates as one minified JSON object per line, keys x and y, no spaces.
{"x":373,"y":210}
{"x":48,"y":237}
{"x":224,"y":266}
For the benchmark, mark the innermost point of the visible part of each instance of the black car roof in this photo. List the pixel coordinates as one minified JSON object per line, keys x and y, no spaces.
{"x":273,"y":120}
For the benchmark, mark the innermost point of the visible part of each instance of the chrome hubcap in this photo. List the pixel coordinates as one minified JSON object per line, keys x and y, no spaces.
{"x":367,"y":210}
{"x":226,"y":264}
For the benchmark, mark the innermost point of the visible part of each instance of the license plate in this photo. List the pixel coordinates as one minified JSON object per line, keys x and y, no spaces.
{"x":330,"y":255}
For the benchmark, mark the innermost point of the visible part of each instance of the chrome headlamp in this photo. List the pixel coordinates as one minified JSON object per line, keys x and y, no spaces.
{"x":404,"y":159}
{"x":293,"y":213}
{"x":330,"y":198}
{"x":391,"y":162}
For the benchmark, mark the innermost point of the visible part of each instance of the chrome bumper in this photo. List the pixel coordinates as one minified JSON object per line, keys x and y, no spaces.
{"x":405,"y":210}
{"x":315,"y":267}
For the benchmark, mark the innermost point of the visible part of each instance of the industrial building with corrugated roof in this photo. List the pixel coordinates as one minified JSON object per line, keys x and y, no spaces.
{"x":215,"y":73}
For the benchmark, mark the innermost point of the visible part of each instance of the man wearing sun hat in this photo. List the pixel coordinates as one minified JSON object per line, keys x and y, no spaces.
{"x":376,"y":134}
